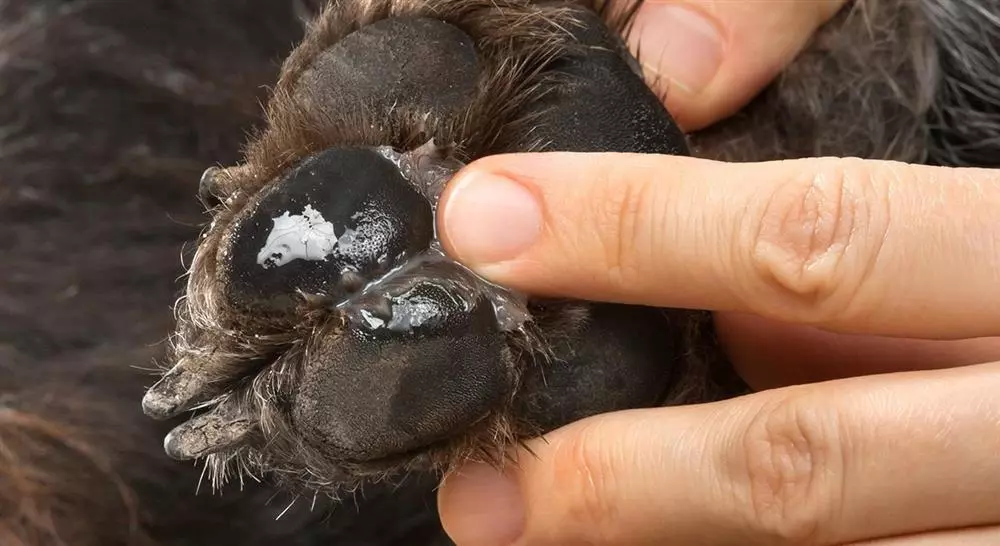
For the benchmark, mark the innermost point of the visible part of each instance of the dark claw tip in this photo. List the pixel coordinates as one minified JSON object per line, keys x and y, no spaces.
{"x":207,"y":186}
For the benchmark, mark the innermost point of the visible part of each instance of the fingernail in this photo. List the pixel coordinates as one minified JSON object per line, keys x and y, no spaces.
{"x":489,"y":219}
{"x":481,"y":506}
{"x":678,"y":43}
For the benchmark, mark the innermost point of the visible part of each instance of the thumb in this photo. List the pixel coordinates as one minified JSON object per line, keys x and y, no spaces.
{"x":709,"y":58}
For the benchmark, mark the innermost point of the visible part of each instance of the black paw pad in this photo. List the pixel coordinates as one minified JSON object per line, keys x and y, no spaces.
{"x":340,"y":218}
{"x":415,"y":364}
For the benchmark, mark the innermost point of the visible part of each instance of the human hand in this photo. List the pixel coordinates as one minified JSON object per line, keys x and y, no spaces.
{"x":845,"y":246}
{"x":709,"y":58}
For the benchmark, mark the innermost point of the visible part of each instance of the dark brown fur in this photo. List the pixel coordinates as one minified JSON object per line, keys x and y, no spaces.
{"x":110,"y":110}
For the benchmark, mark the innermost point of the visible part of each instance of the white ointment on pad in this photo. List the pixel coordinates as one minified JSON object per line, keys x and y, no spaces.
{"x":306,"y":236}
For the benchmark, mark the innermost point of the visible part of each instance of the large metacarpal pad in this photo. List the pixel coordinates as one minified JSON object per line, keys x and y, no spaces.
{"x":391,"y":386}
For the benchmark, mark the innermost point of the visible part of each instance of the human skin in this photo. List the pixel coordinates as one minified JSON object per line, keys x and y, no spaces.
{"x":846,"y":246}
{"x":818,"y":269}
{"x":708,"y":58}
{"x":732,"y":50}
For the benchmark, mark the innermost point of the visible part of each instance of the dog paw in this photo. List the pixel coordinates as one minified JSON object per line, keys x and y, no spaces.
{"x":324,"y":337}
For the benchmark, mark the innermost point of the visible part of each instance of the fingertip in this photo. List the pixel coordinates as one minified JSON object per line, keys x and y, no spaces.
{"x":709,"y":59}
{"x":681,"y":48}
{"x":485,"y":219}
{"x":594,"y":229}
{"x":481,"y":506}
{"x":679,"y":42}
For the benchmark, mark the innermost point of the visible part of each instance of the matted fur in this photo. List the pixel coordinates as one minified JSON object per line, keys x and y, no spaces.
{"x":110,"y":110}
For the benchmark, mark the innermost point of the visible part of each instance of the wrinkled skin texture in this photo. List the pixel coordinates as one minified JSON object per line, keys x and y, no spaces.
{"x":110,"y":111}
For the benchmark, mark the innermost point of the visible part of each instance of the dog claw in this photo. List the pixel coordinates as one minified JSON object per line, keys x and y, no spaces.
{"x":221,"y":428}
{"x":179,"y":390}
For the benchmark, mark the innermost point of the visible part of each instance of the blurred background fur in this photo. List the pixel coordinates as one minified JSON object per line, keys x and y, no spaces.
{"x":111,"y":109}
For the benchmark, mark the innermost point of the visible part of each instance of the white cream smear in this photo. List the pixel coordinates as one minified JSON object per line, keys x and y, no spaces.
{"x":306,"y":236}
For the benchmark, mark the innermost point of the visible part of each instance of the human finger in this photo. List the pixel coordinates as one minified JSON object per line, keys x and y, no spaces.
{"x":769,"y":354}
{"x":709,"y":58}
{"x":826,"y":464}
{"x":849,"y":245}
